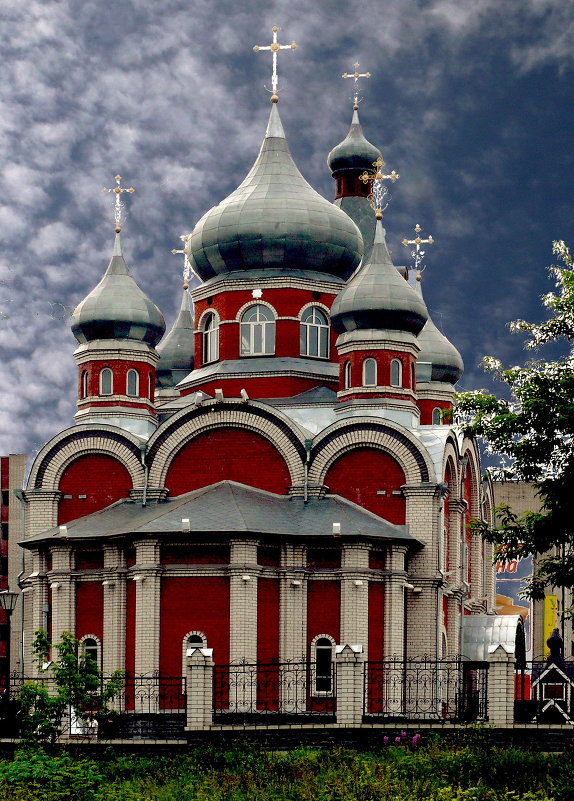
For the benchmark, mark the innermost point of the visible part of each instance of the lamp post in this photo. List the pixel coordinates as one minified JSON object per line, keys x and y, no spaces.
{"x":8,"y":601}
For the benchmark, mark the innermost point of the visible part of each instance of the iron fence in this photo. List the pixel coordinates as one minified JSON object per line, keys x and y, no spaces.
{"x":426,"y":689}
{"x":544,"y":691}
{"x":244,"y":692}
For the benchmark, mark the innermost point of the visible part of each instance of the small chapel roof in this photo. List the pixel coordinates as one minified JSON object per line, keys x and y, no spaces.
{"x":228,"y":506}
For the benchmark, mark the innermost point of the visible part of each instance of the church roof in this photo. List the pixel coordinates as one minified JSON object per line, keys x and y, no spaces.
{"x":229,"y":507}
{"x":275,"y":220}
{"x":355,"y":152}
{"x":177,"y":349}
{"x":445,"y":361}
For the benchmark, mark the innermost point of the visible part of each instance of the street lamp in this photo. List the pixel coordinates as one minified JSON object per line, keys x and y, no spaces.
{"x":8,"y":601}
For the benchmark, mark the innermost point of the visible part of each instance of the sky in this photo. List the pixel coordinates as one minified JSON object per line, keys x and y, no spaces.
{"x":471,"y":101}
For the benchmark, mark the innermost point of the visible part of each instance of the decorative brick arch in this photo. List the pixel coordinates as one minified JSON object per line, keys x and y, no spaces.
{"x":365,"y":432}
{"x":73,"y":443}
{"x":180,"y":429}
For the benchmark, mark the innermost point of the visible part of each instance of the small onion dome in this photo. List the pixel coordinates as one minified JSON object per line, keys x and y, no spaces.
{"x":176,"y":351}
{"x":117,"y":308}
{"x":275,"y":221}
{"x":378,"y":296}
{"x":445,"y":360}
{"x":355,"y":152}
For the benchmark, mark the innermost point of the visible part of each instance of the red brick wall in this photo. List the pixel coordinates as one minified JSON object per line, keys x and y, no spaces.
{"x":376,"y":620}
{"x":383,"y":359}
{"x":89,"y":609}
{"x":193,"y":604}
{"x":119,"y":369}
{"x":427,"y":406}
{"x":267,"y":620}
{"x":323,"y":609}
{"x":359,"y":474}
{"x":232,"y":454}
{"x":101,"y":478}
{"x":194,"y":554}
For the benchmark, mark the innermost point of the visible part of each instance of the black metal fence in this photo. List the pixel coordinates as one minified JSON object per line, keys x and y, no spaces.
{"x":285,"y":691}
{"x":425,"y":689}
{"x":544,"y":692}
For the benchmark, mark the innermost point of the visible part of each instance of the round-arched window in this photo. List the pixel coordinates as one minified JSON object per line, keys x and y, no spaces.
{"x":106,"y":381}
{"x":132,"y":383}
{"x":257,"y":331}
{"x":369,"y":373}
{"x":314,"y":333}
{"x":436,"y":417}
{"x":210,"y":339}
{"x":396,"y":373}
{"x":323,"y":665}
{"x":347,"y":375}
{"x":84,"y":387}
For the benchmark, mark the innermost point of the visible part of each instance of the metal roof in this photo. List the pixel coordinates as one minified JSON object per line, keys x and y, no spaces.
{"x":483,"y":634}
{"x":355,"y":152}
{"x":265,"y":365}
{"x":229,"y":507}
{"x":445,"y":360}
{"x":176,"y":352}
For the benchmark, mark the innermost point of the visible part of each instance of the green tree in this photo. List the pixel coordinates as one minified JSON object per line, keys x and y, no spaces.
{"x":532,"y":429}
{"x":73,"y":685}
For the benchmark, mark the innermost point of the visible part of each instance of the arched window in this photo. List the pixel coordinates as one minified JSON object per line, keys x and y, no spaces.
{"x":323,"y":662}
{"x":369,"y":373}
{"x":413,"y":378}
{"x":193,"y":639}
{"x":90,"y":649}
{"x":257,"y":331}
{"x":84,"y":385}
{"x":396,"y":373}
{"x":106,"y":381}
{"x":436,"y":417}
{"x":132,"y":383}
{"x":150,"y":386}
{"x":314,"y":333}
{"x":210,"y":339}
{"x":347,"y":375}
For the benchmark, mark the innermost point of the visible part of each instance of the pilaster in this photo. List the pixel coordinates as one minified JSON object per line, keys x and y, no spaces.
{"x":293,"y":600}
{"x":63,"y":587}
{"x":355,"y":594}
{"x":394,"y":622}
{"x":243,"y":601}
{"x":41,"y":510}
{"x":147,"y":575}
{"x":114,"y":586}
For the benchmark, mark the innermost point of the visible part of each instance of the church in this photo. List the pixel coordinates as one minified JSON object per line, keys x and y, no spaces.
{"x":278,"y":475}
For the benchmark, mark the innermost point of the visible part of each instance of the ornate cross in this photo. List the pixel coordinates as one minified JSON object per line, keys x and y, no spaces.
{"x":119,"y":206}
{"x":378,"y":191}
{"x":187,"y":268}
{"x":356,"y":75}
{"x":418,"y":254}
{"x":275,"y":47}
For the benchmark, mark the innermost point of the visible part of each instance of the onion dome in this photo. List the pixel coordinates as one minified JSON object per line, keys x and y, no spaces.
{"x":355,"y":152}
{"x":275,"y":221}
{"x":445,"y":361}
{"x":176,"y":356}
{"x":117,"y":308}
{"x":378,"y":297}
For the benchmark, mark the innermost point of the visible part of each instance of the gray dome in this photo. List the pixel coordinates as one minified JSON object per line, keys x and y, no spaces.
{"x":445,"y":360}
{"x":355,"y":152}
{"x":117,"y":308}
{"x":176,"y":352}
{"x":378,"y":297}
{"x":276,"y":221}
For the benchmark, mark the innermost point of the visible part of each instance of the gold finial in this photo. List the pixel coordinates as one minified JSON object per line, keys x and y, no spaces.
{"x":275,"y":47}
{"x":118,"y":206}
{"x":379,"y":194}
{"x":185,"y":251}
{"x":356,"y":75}
{"x":418,"y":254}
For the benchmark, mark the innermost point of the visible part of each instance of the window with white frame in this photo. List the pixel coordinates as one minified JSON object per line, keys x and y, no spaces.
{"x":84,"y":389}
{"x":322,"y":650}
{"x":436,"y":416}
{"x":210,"y":339}
{"x":150,"y":386}
{"x":396,"y":373}
{"x":369,"y":373}
{"x":314,"y":333}
{"x":106,"y":382}
{"x":91,"y":648}
{"x":132,"y":383}
{"x":257,"y":331}
{"x":347,"y":375}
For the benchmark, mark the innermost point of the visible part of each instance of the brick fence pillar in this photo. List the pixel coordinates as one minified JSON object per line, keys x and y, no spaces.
{"x":501,"y":687}
{"x":349,"y":665}
{"x":199,"y":686}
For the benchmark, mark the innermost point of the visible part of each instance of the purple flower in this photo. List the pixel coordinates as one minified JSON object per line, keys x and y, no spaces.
{"x":403,"y":734}
{"x":416,"y":740}
{"x":397,"y":740}
{"x":386,"y":740}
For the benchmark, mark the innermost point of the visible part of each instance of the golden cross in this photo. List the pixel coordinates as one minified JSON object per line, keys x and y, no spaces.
{"x":275,"y":47}
{"x":379,"y":191}
{"x":118,"y":191}
{"x":418,"y":254}
{"x":356,"y":75}
{"x":187,"y":268}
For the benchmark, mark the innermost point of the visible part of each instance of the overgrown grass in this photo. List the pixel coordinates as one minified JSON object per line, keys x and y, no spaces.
{"x":471,"y":770}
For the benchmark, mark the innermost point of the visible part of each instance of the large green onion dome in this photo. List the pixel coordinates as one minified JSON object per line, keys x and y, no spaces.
{"x":355,"y":152}
{"x":378,"y":297}
{"x":176,"y":356}
{"x":117,"y":308}
{"x":275,"y":221}
{"x":445,"y":361}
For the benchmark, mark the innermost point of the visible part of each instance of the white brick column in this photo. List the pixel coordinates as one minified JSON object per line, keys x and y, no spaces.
{"x":199,"y":688}
{"x":349,"y":673}
{"x":243,"y":601}
{"x":35,"y":605}
{"x":394,"y":611}
{"x":501,"y":688}
{"x":41,"y":510}
{"x":114,"y":587}
{"x":293,"y":605}
{"x":147,"y":575}
{"x":355,"y":595}
{"x":63,"y":589}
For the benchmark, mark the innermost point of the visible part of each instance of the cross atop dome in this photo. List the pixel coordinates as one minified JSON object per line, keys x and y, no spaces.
{"x":187,"y":268}
{"x":378,"y":191}
{"x":418,"y":254}
{"x":356,"y":75}
{"x":275,"y":47}
{"x":119,"y":206}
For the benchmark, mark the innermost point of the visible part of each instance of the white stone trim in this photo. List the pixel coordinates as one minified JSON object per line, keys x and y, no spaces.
{"x":313,"y":691}
{"x":98,"y":642}
{"x":254,"y":302}
{"x":310,"y":305}
{"x":273,"y":282}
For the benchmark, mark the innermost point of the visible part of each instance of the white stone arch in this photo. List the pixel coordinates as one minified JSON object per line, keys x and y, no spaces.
{"x":347,"y":435}
{"x":79,"y":441}
{"x":205,"y":315}
{"x":184,"y":645}
{"x":180,"y":429}
{"x":98,"y":643}
{"x":255,"y":302}
{"x":311,"y":304}
{"x":315,"y":677}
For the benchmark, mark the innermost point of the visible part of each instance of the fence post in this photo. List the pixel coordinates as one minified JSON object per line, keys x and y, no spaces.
{"x":349,"y":673}
{"x":199,"y":688}
{"x":501,"y":687}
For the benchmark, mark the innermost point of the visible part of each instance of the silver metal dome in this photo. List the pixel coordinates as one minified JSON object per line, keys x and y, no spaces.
{"x":176,"y":352}
{"x":445,"y":360}
{"x":355,"y":152}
